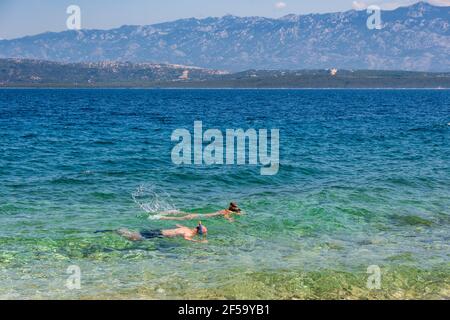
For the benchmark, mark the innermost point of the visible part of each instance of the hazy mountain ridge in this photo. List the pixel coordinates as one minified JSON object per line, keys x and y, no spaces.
{"x":412,"y":38}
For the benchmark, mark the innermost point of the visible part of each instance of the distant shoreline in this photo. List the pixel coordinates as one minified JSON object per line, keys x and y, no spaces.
{"x":210,"y":88}
{"x":23,"y":73}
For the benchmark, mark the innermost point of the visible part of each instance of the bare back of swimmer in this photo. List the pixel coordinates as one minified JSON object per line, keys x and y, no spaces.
{"x":181,"y":231}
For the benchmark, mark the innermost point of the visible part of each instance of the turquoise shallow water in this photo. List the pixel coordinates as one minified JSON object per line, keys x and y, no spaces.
{"x":363,"y":181}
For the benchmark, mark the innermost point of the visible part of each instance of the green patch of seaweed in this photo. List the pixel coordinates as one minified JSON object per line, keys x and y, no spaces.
{"x":412,"y":220}
{"x":402,"y":257}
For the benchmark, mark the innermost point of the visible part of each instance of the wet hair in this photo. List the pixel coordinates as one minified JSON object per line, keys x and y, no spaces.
{"x":234,"y":207}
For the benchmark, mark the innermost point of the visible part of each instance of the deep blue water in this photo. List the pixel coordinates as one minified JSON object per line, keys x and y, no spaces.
{"x":364,"y":179}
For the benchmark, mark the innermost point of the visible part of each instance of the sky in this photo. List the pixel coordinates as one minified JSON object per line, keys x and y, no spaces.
{"x":28,"y":17}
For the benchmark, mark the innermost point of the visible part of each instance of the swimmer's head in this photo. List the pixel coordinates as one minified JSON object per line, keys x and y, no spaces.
{"x":234,"y":208}
{"x":201,"y":229}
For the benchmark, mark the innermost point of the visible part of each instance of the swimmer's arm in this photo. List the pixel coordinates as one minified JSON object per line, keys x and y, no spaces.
{"x":230,"y":219}
{"x":193,"y":216}
{"x":193,"y":240}
{"x":212,"y":215}
{"x":188,"y":217}
{"x":172,"y":212}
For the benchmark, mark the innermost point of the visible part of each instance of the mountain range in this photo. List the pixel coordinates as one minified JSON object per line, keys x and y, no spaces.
{"x":411,"y":38}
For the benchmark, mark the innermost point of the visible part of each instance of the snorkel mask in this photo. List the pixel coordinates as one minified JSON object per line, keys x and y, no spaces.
{"x":201,"y":229}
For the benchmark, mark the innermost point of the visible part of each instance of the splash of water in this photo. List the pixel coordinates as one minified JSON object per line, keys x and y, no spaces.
{"x":153,"y":201}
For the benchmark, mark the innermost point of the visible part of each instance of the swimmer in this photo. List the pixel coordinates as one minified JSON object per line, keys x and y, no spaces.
{"x":181,"y":231}
{"x":233,"y":209}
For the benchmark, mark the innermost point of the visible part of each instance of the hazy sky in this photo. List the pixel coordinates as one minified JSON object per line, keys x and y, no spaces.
{"x":27,"y":17}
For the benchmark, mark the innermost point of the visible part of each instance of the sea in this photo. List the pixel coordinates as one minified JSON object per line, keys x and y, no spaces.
{"x":359,"y":208}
